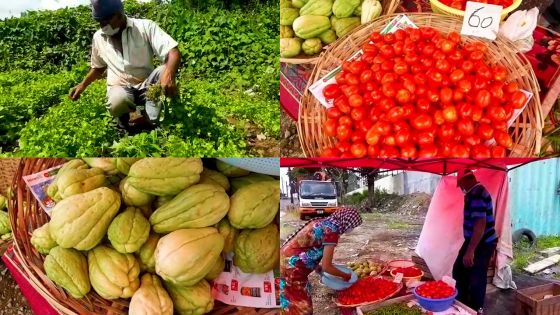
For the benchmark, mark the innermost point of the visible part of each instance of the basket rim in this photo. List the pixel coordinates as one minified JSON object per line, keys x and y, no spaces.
{"x":448,"y":9}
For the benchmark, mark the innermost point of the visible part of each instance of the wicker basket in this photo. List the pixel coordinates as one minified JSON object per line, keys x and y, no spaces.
{"x":440,"y":8}
{"x":526,"y":131}
{"x":26,"y":215}
{"x":8,"y":168}
{"x":389,"y":7}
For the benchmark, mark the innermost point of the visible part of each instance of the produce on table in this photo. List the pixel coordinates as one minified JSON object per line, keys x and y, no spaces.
{"x":132,"y":196}
{"x":229,"y":234}
{"x":77,"y":181}
{"x":346,"y":25}
{"x":366,"y":290}
{"x":407,"y":272}
{"x":41,"y":239}
{"x":288,"y":15}
{"x":81,"y":221}
{"x":164,"y":176}
{"x":254,"y":206}
{"x":421,"y":93}
{"x":366,"y":268}
{"x":112,"y":274}
{"x":217,"y":269}
{"x":290,"y":47}
{"x":239,"y":182}
{"x":151,"y":298}
{"x":145,"y":254}
{"x":396,"y":309}
{"x":462,"y":4}
{"x":309,"y":26}
{"x":327,"y":37}
{"x":209,"y":176}
{"x":68,"y":268}
{"x":184,"y":257}
{"x":435,"y":290}
{"x":299,"y":3}
{"x":198,"y":206}
{"x":257,"y":251}
{"x":286,"y":4}
{"x":123,"y":164}
{"x":312,"y":46}
{"x":52,"y":190}
{"x":193,"y":300}
{"x":230,"y":170}
{"x":106,"y":164}
{"x":129,"y":231}
{"x":286,"y":32}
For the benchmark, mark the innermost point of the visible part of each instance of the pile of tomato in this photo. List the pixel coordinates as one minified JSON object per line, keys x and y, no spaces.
{"x":420,"y":93}
{"x":435,"y":290}
{"x":461,"y":4}
{"x":367,"y":289}
{"x":407,"y":272}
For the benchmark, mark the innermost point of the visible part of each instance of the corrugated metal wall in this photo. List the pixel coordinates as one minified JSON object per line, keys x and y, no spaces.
{"x":534,"y":201}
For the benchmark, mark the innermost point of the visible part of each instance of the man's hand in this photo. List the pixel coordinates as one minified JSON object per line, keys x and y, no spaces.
{"x":468,"y":259}
{"x":75,"y":92}
{"x":168,"y":84}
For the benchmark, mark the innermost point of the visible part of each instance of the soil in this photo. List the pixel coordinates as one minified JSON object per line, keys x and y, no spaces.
{"x":289,"y":143}
{"x":12,"y":301}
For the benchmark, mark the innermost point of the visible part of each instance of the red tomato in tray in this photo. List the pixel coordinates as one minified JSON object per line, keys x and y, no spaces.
{"x":367,"y":289}
{"x":435,"y":290}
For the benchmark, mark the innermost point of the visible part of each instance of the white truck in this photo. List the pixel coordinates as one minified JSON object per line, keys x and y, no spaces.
{"x":316,"y":198}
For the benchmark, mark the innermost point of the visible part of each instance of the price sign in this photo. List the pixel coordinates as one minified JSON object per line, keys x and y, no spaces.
{"x":398,"y":278}
{"x":482,"y":20}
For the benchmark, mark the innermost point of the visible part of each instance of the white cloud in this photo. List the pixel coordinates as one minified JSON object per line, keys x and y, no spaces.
{"x":15,"y":8}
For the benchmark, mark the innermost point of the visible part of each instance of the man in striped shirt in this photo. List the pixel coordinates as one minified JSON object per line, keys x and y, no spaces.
{"x":471,"y":266}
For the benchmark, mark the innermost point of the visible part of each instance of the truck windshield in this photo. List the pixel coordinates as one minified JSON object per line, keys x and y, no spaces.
{"x":312,"y":190}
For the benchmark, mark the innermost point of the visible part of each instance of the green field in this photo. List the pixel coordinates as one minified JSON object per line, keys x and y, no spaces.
{"x":228,"y":83}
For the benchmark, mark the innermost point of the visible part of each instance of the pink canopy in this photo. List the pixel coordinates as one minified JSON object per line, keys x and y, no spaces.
{"x":440,"y":166}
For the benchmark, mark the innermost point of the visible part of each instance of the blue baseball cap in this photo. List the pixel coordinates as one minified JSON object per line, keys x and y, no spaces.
{"x":103,"y":10}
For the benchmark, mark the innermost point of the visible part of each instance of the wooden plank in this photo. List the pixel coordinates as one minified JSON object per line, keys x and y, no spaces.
{"x":542,"y":264}
{"x":550,"y":251}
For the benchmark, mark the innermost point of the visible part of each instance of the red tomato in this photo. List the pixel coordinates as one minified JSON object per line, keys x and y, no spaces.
{"x":403,"y":96}
{"x":366,"y":75}
{"x":423,"y":105}
{"x":343,"y":146}
{"x":402,"y":136}
{"x":498,"y":152}
{"x":457,"y":75}
{"x":476,"y":113}
{"x":343,"y":132}
{"x":424,"y":138}
{"x":388,"y":152}
{"x":330,"y":152}
{"x":443,"y":65}
{"x":496,"y":113}
{"x":447,"y":45}
{"x":480,"y":151}
{"x":372,"y":136}
{"x":483,"y":98}
{"x":359,"y":150}
{"x":408,"y":151}
{"x":341,"y":103}
{"x":446,"y":131}
{"x":450,"y":113}
{"x":329,"y":127}
{"x":472,"y":140}
{"x":518,"y":99}
{"x":345,"y":120}
{"x":331,"y":91}
{"x":465,"y":127}
{"x":389,"y":141}
{"x":400,"y":68}
{"x":512,"y":87}
{"x":476,"y":55}
{"x":389,"y":90}
{"x":355,"y":100}
{"x":503,"y":139}
{"x":422,"y":122}
{"x":428,"y":151}
{"x":357,"y":66}
{"x":485,"y":131}
{"x":460,"y":151}
{"x":500,"y":73}
{"x":372,"y":151}
{"x":333,"y":112}
{"x":467,"y":66}
{"x":358,"y":113}
{"x":464,"y":85}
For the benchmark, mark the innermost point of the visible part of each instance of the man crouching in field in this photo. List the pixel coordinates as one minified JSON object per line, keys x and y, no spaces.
{"x":125,"y":47}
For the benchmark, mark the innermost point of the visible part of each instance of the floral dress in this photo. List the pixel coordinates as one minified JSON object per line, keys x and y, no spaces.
{"x":298,"y":258}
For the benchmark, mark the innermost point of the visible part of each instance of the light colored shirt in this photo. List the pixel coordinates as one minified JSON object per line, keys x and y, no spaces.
{"x":141,"y":40}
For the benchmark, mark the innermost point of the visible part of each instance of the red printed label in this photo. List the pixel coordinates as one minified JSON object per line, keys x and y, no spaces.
{"x":234,"y":285}
{"x":267,"y":287}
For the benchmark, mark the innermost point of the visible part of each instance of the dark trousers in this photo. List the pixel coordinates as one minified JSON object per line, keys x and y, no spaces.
{"x":471,"y":282}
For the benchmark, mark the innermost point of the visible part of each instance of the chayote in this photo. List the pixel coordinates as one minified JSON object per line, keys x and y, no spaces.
{"x":81,"y":221}
{"x":230,"y":170}
{"x":229,"y":233}
{"x":164,"y":176}
{"x":346,"y":25}
{"x":328,"y":37}
{"x":217,"y":269}
{"x":257,"y":251}
{"x":106,"y":164}
{"x":209,"y":176}
{"x":151,"y":298}
{"x":290,"y":47}
{"x":198,"y":206}
{"x":345,"y":8}
{"x":77,"y":181}
{"x":146,"y":253}
{"x":312,"y":46}
{"x":129,"y":230}
{"x":113,"y":275}
{"x":286,"y":31}
{"x":41,"y":239}
{"x":288,"y":15}
{"x":68,"y":268}
{"x":255,"y":205}
{"x":5,"y":226}
{"x":184,"y":257}
{"x":192,"y":300}
{"x":239,"y":182}
{"x":123,"y":164}
{"x":132,"y":196}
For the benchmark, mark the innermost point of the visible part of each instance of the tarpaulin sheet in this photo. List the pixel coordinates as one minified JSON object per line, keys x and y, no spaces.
{"x":442,"y":233}
{"x":440,"y":166}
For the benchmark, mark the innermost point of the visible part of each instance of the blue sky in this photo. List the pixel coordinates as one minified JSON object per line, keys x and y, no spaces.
{"x":15,"y":7}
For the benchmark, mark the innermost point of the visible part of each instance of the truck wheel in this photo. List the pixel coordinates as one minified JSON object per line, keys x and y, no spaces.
{"x":518,"y":236}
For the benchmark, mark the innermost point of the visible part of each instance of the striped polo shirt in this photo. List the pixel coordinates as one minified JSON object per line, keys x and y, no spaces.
{"x":478,"y":204}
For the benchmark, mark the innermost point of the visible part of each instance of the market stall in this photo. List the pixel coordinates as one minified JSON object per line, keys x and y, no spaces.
{"x":538,"y":76}
{"x":442,"y":231}
{"x":100,"y":236}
